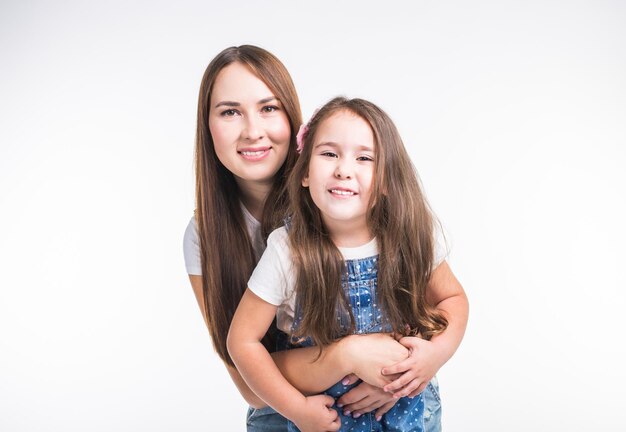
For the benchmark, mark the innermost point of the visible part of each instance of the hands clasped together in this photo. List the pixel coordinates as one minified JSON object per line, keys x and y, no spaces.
{"x":388,"y":369}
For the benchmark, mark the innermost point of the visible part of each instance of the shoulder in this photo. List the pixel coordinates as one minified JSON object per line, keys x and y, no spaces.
{"x":441,"y":247}
{"x":278,"y":238}
{"x":191,"y":232}
{"x":278,"y":252}
{"x":191,"y":248}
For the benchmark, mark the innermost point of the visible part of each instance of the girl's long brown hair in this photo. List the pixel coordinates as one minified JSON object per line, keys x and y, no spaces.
{"x":398,"y":216}
{"x":225,"y":248}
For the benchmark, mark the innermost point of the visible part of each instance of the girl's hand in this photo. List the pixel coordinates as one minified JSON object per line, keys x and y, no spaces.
{"x":317,"y":415}
{"x":365,"y":398}
{"x":369,"y":354}
{"x":416,"y":371}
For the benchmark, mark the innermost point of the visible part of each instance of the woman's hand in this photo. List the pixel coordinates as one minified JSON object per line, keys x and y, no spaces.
{"x":365,"y":398}
{"x":416,"y":371}
{"x":316,"y":415}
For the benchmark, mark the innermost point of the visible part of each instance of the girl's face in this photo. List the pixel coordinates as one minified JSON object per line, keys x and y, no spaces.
{"x":341,"y":171}
{"x":249,"y":127}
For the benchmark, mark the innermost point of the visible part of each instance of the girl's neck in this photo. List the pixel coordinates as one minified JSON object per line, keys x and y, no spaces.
{"x":349,"y":235}
{"x":253,"y":196}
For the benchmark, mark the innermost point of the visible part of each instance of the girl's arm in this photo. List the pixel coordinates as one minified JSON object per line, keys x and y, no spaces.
{"x":300,"y":368}
{"x":426,"y":358}
{"x":250,"y":323}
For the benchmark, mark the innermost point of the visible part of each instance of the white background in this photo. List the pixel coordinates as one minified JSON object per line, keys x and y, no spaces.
{"x":514,"y":113}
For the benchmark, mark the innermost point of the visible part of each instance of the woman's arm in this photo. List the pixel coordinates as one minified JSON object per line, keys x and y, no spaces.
{"x":426,"y":358}
{"x":250,"y":323}
{"x":364,"y":355}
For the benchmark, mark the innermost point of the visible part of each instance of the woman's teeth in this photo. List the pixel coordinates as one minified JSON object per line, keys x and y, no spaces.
{"x":253,"y":153}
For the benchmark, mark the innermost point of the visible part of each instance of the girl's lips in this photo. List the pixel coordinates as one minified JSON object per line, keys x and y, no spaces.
{"x":342,"y":192}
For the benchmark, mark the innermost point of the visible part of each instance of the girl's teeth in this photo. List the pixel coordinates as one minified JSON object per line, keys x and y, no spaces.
{"x":341,"y":192}
{"x":254,"y":153}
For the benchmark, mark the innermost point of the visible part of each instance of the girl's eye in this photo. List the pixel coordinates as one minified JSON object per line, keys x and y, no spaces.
{"x":329,"y":154}
{"x":228,"y":113}
{"x":365,"y":158}
{"x":269,"y":108}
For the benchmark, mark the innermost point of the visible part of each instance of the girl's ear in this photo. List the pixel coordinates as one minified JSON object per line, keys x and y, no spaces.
{"x":305,"y":181}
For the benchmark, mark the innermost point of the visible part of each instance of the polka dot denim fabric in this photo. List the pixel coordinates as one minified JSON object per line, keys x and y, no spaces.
{"x":360,"y":284}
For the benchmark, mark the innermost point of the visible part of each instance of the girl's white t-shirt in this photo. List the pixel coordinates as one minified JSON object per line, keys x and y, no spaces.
{"x":191,"y":242}
{"x":273,"y":279}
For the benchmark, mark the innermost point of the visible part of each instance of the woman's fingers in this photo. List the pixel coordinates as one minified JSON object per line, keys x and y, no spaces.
{"x":384,"y":409}
{"x":349,"y":379}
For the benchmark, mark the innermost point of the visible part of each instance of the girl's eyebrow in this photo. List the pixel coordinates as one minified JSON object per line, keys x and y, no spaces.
{"x":236,"y":104}
{"x":335,"y":145}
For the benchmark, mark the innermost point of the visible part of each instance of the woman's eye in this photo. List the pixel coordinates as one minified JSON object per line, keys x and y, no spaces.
{"x":269,"y":108}
{"x":228,"y":113}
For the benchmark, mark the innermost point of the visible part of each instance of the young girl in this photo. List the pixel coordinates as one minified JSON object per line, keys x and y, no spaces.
{"x":357,"y":256}
{"x":248,"y":112}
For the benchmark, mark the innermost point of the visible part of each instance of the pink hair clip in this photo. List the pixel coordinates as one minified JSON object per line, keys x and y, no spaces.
{"x":304,"y":129}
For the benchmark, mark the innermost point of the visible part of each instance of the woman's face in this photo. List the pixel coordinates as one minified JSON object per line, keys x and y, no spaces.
{"x":249,"y":126}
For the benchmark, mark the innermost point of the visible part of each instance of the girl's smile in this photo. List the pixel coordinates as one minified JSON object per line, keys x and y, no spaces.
{"x":342,"y":192}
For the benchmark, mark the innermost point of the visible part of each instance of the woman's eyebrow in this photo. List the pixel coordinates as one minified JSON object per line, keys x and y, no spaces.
{"x":227,"y":103}
{"x":267,"y":99}
{"x":236,"y":104}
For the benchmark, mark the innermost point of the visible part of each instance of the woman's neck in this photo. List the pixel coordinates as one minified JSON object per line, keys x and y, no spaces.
{"x":253,"y":196}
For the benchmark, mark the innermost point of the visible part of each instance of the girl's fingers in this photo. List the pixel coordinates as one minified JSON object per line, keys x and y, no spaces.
{"x":408,"y":389}
{"x":418,"y":390}
{"x":399,"y":367}
{"x":335,"y":425}
{"x":399,"y":383}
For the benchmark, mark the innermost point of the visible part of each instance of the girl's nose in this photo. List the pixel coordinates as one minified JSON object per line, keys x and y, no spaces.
{"x":343,"y":171}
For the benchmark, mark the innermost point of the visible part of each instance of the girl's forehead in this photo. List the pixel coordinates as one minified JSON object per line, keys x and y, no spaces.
{"x":345,"y":127}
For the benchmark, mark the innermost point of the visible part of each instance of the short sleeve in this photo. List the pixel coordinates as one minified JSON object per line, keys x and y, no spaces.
{"x":441,"y":247}
{"x":191,"y":249}
{"x":272,"y":279}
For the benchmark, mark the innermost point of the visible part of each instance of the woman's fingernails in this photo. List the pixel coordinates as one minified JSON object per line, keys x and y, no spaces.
{"x":357,"y":415}
{"x":339,"y":405}
{"x":346,"y":412}
{"x":379,"y":418}
{"x":345,"y":381}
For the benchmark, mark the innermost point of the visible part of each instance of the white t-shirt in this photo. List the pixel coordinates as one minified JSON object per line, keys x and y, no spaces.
{"x":191,"y":242}
{"x":273,"y":279}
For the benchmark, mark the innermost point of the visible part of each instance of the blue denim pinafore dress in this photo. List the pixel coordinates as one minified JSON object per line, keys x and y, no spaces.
{"x":420,"y":414}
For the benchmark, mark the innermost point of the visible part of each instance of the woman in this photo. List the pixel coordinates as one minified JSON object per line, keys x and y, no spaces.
{"x":248,"y":115}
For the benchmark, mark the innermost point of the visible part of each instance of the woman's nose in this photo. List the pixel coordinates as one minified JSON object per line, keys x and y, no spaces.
{"x":252,"y":129}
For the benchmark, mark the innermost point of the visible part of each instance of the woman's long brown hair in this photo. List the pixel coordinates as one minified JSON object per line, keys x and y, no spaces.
{"x":226,"y":251}
{"x":398,"y":216}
